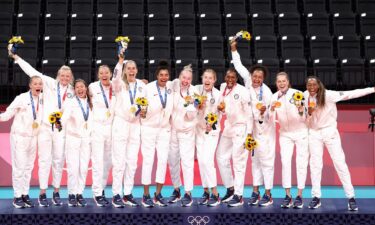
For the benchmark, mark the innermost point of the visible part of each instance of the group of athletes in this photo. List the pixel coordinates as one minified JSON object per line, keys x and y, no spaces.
{"x":67,"y":120}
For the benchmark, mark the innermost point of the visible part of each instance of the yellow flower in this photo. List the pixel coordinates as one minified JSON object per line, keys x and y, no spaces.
{"x":16,"y":40}
{"x":298,"y":96}
{"x":250,"y":143}
{"x":52,"y":118}
{"x":246,"y":35}
{"x":141,"y":101}
{"x":211,"y":118}
{"x":58,"y":115}
{"x":122,"y":38}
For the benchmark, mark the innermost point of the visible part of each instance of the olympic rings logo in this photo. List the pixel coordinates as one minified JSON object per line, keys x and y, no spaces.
{"x":198,"y":220}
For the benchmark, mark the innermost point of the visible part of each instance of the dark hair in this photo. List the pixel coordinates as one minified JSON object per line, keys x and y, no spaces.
{"x":259,"y":68}
{"x":321,"y":93}
{"x":87,"y":90}
{"x":163,"y":65}
{"x":232,"y":70}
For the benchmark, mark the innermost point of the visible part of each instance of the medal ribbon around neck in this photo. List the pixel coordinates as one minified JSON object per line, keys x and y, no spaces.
{"x":131,"y":95}
{"x":58,"y":95}
{"x":162,"y":101}
{"x":104,"y":96}
{"x":33,"y":106}
{"x":225,"y":90}
{"x":85,"y":114}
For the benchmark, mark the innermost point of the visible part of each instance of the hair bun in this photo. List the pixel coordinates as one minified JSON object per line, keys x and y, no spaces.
{"x":163,"y":63}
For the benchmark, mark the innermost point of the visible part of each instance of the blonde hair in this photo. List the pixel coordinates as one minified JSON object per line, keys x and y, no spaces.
{"x":32,"y":78}
{"x":283,"y":74}
{"x":64,"y":68}
{"x":123,"y":75}
{"x":213,"y":72}
{"x":187,"y":68}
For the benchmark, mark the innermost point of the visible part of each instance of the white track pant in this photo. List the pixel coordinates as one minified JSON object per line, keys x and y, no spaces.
{"x":125,"y":147}
{"x":182,"y":149}
{"x":263,"y":162}
{"x":232,"y":148}
{"x":101,"y":158}
{"x":23,"y":151}
{"x":329,"y":137}
{"x":287,"y":142}
{"x":78,"y":152}
{"x":154,"y":139}
{"x":206,"y":147}
{"x":51,"y":146}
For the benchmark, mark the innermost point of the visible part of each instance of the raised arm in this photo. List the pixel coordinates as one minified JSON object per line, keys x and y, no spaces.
{"x":337,"y":96}
{"x":240,"y":68}
{"x":31,"y":71}
{"x":11,"y":110}
{"x":117,"y":73}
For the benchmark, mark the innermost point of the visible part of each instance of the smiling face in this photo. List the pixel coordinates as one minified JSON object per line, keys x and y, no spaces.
{"x":282,"y":83}
{"x":185,"y":78}
{"x":312,"y":86}
{"x":208,"y":80}
{"x":104,"y":75}
{"x":230,"y":78}
{"x":80,"y":89}
{"x":131,"y":71}
{"x":65,"y":76}
{"x":162,"y":77}
{"x":36,"y":85}
{"x":257,"y":78}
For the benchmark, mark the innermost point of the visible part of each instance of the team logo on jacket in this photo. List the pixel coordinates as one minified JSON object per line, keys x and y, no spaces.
{"x":212,"y":101}
{"x":70,"y":95}
{"x":236,"y":96}
{"x":140,"y":89}
{"x":169,"y":91}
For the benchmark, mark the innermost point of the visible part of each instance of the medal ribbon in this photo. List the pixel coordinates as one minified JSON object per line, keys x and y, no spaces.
{"x":104,"y":96}
{"x":85,"y":114}
{"x":58,"y":95}
{"x":163,"y":101}
{"x":131,"y":95}
{"x":33,"y":106}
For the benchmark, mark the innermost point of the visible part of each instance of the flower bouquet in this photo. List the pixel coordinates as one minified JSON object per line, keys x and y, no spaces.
{"x":297,"y":100}
{"x":243,"y":34}
{"x":199,"y":100}
{"x":250,"y":143}
{"x":54,"y":120}
{"x":211,"y":119}
{"x":122,"y":44}
{"x":142,"y":104}
{"x":14,"y":43}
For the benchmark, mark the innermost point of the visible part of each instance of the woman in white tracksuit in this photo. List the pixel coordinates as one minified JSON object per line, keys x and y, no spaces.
{"x":51,"y":141}
{"x":322,"y":122}
{"x":156,"y":134}
{"x":77,"y":124}
{"x":263,"y":160}
{"x":207,"y":138}
{"x":27,"y":110}
{"x":235,"y":104}
{"x":183,"y":137}
{"x":293,"y":132}
{"x":126,"y":132}
{"x":103,"y":101}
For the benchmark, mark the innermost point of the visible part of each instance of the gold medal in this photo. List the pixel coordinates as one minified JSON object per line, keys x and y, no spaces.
{"x":133,"y":109}
{"x":108,"y":114}
{"x":259,"y":105}
{"x":35,"y":125}
{"x":85,"y":126}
